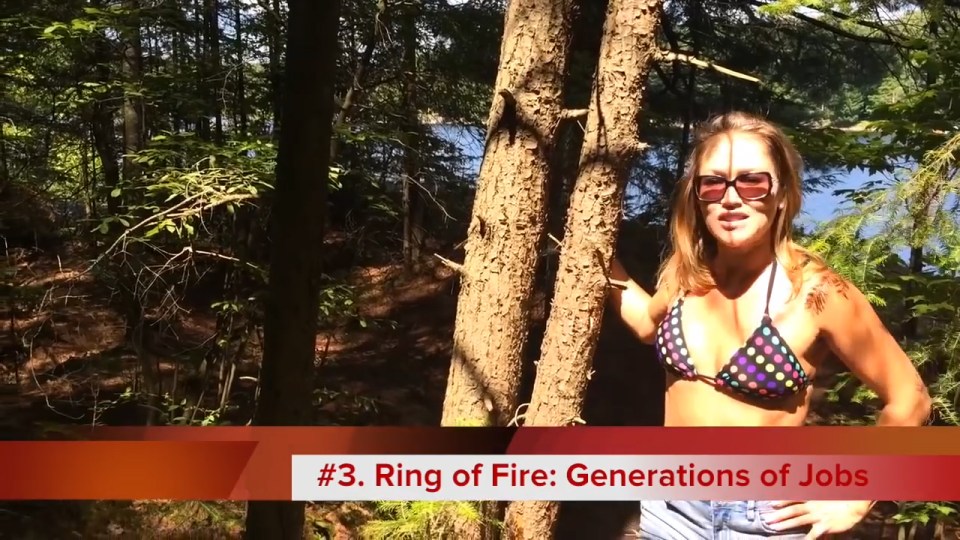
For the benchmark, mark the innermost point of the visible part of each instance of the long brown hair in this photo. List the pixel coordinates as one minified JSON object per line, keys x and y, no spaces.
{"x":692,"y":246}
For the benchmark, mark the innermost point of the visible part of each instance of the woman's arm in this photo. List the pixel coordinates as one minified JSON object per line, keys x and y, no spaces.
{"x":856,"y":335}
{"x":640,"y":311}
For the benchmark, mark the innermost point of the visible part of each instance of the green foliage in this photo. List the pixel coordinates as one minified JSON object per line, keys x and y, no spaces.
{"x":814,"y":83}
{"x":177,"y":196}
{"x":861,"y":244}
{"x":910,"y":133}
{"x":923,"y":512}
{"x":865,"y":262}
{"x":338,"y":303}
{"x":182,"y":413}
{"x":419,"y":520}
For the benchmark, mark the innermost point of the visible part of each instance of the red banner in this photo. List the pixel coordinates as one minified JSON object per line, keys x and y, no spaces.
{"x":245,"y":463}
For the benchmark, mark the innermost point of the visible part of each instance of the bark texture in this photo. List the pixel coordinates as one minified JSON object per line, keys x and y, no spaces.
{"x":101,"y":124}
{"x":611,"y":146}
{"x":507,"y":227}
{"x":509,"y":214}
{"x":132,"y":68}
{"x":214,"y":76}
{"x":290,"y":325}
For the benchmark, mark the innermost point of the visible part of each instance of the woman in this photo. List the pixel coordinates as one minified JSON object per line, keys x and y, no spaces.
{"x":743,"y":317}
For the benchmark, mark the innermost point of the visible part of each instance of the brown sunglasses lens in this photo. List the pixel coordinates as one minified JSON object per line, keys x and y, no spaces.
{"x":751,"y":186}
{"x":711,"y":188}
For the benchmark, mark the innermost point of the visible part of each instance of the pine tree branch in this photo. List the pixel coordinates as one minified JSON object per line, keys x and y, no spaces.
{"x":670,"y":56}
{"x":844,"y":33}
{"x":574,"y":114}
{"x":457,"y":267}
{"x":893,"y":38}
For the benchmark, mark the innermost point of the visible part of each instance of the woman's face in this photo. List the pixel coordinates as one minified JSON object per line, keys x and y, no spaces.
{"x":738,"y":218}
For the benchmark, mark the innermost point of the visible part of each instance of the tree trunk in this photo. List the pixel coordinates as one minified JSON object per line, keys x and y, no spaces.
{"x":273,"y":28}
{"x":921,"y":216}
{"x":133,"y":142}
{"x":910,"y":325}
{"x":359,"y":79}
{"x":180,"y":55}
{"x":241,"y":92}
{"x":104,"y":141}
{"x":695,"y":24}
{"x":413,"y":200}
{"x":4,"y":169}
{"x":102,"y":123}
{"x":506,"y":228}
{"x":507,"y":225}
{"x":609,"y":151}
{"x":214,"y":80}
{"x":132,"y":102}
{"x":89,"y":182}
{"x":203,"y":122}
{"x":290,"y":326}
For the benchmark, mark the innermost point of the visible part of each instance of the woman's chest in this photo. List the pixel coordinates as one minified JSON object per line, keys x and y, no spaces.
{"x":721,"y":333}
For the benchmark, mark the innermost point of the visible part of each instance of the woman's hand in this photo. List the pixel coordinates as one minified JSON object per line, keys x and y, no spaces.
{"x":823,"y":517}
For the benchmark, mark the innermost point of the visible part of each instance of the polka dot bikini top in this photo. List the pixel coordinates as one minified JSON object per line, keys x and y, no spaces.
{"x":764,"y":368}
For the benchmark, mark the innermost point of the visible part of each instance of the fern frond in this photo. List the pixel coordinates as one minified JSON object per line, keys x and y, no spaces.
{"x":418,"y":520}
{"x":945,"y":410}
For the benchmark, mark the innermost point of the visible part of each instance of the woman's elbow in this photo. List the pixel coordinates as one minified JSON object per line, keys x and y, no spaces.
{"x":913,"y":410}
{"x":924,"y":407}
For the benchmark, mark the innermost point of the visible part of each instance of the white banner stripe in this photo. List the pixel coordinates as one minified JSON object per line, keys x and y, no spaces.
{"x":579,"y":477}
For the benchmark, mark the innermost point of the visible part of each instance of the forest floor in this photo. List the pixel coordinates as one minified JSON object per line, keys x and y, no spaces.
{"x":77,"y":367}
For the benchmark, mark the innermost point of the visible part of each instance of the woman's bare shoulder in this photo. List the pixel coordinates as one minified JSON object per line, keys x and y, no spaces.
{"x":824,"y":287}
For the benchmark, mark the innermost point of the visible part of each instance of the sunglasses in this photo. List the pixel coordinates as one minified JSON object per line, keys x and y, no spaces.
{"x":749,"y":186}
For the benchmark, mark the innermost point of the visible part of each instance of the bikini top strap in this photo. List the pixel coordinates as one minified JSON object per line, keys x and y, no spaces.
{"x":773,"y":275}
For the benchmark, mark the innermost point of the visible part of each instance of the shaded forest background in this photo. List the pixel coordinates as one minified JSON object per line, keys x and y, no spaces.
{"x":138,"y":147}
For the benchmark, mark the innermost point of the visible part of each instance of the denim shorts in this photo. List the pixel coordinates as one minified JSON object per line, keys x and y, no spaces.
{"x":710,"y":520}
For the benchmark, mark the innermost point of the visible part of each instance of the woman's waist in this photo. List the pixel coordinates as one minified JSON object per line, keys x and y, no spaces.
{"x":693,"y":404}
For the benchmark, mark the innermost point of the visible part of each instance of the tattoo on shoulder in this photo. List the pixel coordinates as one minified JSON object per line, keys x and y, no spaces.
{"x":817,"y":297}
